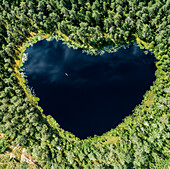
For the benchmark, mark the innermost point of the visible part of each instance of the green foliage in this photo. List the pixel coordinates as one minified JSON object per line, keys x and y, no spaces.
{"x":3,"y":145}
{"x":95,"y":27}
{"x":23,"y":165}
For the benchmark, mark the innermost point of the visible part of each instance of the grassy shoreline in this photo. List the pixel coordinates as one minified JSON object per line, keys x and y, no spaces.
{"x":106,"y":138}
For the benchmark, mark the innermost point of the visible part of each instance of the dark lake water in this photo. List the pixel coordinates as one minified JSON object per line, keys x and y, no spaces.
{"x":87,"y":94}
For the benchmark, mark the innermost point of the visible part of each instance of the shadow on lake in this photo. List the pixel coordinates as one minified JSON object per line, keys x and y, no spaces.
{"x":87,"y":94}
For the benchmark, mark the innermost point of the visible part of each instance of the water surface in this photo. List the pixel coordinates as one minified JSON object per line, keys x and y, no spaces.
{"x":87,"y":94}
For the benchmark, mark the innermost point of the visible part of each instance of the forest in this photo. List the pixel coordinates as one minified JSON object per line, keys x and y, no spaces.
{"x":28,"y":138}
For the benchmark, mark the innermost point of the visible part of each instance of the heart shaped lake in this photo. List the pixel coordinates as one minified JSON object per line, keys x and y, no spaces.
{"x":88,"y":94}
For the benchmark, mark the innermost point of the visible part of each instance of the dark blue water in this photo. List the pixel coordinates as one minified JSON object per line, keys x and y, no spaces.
{"x":87,"y":94}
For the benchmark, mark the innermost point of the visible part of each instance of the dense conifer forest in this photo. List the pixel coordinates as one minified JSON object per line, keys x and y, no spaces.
{"x":29,"y":139}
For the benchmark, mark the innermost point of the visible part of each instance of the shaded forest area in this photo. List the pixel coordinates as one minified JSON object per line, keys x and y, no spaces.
{"x":141,"y":141}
